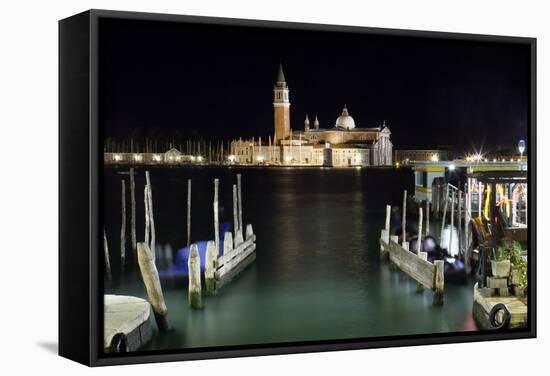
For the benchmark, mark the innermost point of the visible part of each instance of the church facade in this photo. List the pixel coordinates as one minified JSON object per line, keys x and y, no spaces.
{"x":343,"y":145}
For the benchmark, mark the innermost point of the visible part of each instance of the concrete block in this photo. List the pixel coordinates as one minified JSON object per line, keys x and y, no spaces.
{"x":497,"y":283}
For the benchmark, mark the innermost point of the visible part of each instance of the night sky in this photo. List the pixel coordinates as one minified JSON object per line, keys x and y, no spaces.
{"x":217,"y":82}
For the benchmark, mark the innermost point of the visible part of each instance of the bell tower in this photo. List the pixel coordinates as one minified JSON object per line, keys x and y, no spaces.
{"x":281,"y":106}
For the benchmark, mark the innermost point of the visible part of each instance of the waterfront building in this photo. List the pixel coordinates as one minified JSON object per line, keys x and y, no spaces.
{"x":342,"y":145}
{"x":410,"y":156}
{"x":171,"y":157}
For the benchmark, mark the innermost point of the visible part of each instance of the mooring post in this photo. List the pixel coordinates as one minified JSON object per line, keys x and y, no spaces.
{"x":106,"y":255}
{"x":147,"y":224}
{"x":388,"y":217}
{"x":427,"y":217}
{"x":249,"y":233}
{"x":123,"y":226}
{"x":419,"y":240}
{"x":227,"y":242}
{"x":194,"y":267}
{"x":235,"y":211}
{"x":151,"y":215}
{"x":459,"y":220}
{"x":435,"y":197}
{"x":210,"y":266}
{"x":216,"y":218}
{"x":404,"y":219}
{"x":133,"y":212}
{"x":443,"y":217}
{"x":420,"y":286}
{"x":452,"y":222}
{"x":439,"y":282}
{"x":385,"y":233}
{"x":151,"y":280}
{"x":188,"y":212}
{"x":240,"y":203}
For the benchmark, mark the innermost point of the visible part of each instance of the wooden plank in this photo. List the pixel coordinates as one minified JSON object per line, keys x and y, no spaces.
{"x":226,"y":257}
{"x":224,"y":269}
{"x":231,"y":274}
{"x":420,"y":270}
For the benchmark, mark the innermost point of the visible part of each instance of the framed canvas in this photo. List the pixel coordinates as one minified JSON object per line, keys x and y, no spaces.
{"x":239,"y":187}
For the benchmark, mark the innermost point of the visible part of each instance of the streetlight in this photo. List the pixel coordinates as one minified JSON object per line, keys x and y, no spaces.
{"x":521,"y":148}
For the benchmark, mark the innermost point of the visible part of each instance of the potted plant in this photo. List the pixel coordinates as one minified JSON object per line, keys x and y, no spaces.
{"x":518,"y":276}
{"x":500,"y":266}
{"x":521,"y":287}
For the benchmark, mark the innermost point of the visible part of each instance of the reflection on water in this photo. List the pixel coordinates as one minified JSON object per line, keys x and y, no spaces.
{"x":317,"y":275}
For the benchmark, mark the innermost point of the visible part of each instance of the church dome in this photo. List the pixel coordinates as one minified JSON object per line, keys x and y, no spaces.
{"x":345,"y":120}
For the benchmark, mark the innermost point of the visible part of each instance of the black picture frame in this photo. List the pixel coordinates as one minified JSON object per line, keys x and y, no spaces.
{"x":81,"y":161}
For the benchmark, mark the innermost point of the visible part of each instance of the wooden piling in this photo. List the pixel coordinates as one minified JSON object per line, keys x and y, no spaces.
{"x":439,"y":282}
{"x":188,"y":212}
{"x":151,"y":215}
{"x":404,"y":219}
{"x":194,"y":267}
{"x":133,"y":212}
{"x":147,"y":224}
{"x":235,"y":211}
{"x":388,"y":217}
{"x":123,"y":225}
{"x":444,"y":216}
{"x":419,"y":240}
{"x":427,"y":217}
{"x":419,"y":286}
{"x":450,"y":247}
{"x":240,"y":203}
{"x":227,"y":242}
{"x":210,"y":266}
{"x":151,"y":280}
{"x":106,"y":256}
{"x":216,"y":218}
{"x":249,"y":233}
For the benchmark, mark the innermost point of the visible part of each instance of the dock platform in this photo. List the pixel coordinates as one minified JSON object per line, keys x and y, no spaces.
{"x":483,"y":305}
{"x":127,"y":324}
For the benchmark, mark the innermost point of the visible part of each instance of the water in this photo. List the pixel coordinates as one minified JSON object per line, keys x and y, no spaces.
{"x":317,"y":275}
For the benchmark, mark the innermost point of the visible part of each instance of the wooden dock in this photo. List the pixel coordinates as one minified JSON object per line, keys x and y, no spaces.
{"x":430,"y":275}
{"x":127,"y":325}
{"x":484,"y":305}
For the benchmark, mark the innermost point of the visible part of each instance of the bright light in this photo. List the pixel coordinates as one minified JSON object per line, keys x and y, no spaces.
{"x":397,"y":165}
{"x":117,"y":157}
{"x":137,"y":157}
{"x":156,"y":158}
{"x":288,"y":158}
{"x":327,"y":145}
{"x":321,"y":159}
{"x":452,"y":167}
{"x":434,"y":158}
{"x":193,"y":158}
{"x":260,"y":158}
{"x":199,"y":158}
{"x":521,"y":146}
{"x":231,"y":158}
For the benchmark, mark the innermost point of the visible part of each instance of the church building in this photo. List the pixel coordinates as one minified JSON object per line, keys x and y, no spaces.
{"x":342,"y":145}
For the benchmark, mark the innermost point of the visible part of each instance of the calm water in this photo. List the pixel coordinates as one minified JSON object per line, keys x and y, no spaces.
{"x":317,"y":275}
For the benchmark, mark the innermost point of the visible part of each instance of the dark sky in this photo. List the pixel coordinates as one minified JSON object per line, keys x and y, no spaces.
{"x":217,"y":81}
